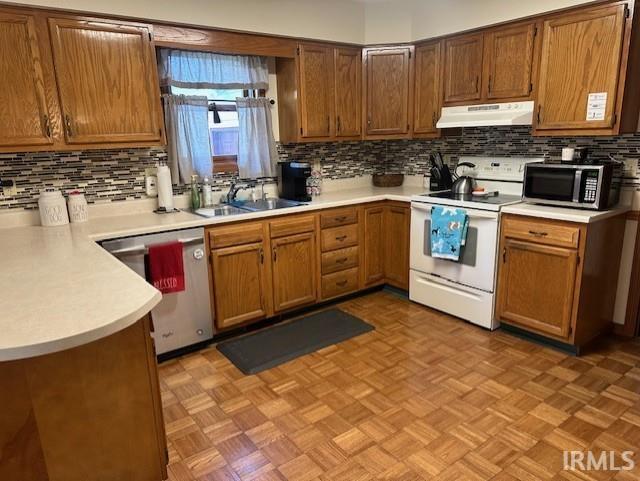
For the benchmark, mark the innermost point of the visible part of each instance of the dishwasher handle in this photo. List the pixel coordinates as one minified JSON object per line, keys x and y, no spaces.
{"x":141,"y":250}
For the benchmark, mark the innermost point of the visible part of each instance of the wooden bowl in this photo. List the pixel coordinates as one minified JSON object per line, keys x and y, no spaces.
{"x":388,"y":180}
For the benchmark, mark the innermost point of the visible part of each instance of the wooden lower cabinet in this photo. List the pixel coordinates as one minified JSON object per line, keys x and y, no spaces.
{"x":260,"y":269}
{"x":558,"y":279}
{"x":239,"y":284}
{"x":294,"y":274}
{"x":397,"y":222}
{"x":374,"y":244}
{"x":91,"y":412}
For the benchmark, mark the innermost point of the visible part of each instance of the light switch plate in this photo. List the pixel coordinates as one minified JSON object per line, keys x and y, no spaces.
{"x":9,"y":191}
{"x":151,"y":182}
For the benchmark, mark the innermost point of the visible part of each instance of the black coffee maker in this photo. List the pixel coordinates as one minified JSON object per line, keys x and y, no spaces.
{"x":292,"y":181}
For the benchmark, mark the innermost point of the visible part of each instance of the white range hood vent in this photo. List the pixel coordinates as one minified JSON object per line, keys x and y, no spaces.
{"x":515,"y":113}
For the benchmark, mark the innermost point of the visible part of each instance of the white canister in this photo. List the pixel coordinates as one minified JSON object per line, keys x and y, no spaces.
{"x":78,"y":207}
{"x":53,"y":208}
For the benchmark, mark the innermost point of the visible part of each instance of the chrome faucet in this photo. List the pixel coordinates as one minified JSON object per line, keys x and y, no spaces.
{"x":237,"y":187}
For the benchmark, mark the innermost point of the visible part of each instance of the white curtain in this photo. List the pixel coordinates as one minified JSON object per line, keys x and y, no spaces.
{"x":187,"y":126}
{"x":257,"y":152}
{"x":205,"y":70}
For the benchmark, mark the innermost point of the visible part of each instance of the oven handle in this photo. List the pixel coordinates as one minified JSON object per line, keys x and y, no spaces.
{"x":140,"y":250}
{"x":477,"y":214}
{"x":458,"y":289}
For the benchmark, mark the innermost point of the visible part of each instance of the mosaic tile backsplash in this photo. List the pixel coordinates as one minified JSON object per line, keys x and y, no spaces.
{"x":110,"y":175}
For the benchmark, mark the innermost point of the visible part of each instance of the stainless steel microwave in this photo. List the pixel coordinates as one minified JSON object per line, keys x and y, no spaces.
{"x":586,"y":186}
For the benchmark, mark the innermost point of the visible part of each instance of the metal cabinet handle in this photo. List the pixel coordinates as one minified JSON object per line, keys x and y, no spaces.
{"x":261,"y":254}
{"x":67,"y":123}
{"x":489,"y":84}
{"x":328,"y":124}
{"x":539,"y":114}
{"x":433,"y":120}
{"x":538,"y":233}
{"x":341,"y":238}
{"x":342,"y":260}
{"x":47,"y":125}
{"x":342,"y":218}
{"x":477,"y":83}
{"x":339,"y":125}
{"x":341,"y":283}
{"x":275,"y":254}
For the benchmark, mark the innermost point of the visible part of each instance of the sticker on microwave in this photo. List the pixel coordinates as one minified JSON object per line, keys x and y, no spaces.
{"x":596,"y":106}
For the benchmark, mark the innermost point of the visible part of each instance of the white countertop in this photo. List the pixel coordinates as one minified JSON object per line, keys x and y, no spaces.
{"x":59,"y":289}
{"x":582,"y":216}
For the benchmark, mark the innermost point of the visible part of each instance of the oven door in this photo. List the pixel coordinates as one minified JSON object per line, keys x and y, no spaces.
{"x":558,"y":183}
{"x":476,"y":267}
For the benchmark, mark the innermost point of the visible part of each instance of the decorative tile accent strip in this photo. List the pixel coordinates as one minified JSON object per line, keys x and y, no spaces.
{"x":110,"y":175}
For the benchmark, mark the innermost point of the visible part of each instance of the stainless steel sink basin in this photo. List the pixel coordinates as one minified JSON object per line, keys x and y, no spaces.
{"x":266,"y":204}
{"x":220,"y":210}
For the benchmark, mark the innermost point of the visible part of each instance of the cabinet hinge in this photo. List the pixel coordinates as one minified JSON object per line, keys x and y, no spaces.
{"x":297,"y":50}
{"x":578,"y":261}
{"x":614,"y":119}
{"x":535,"y":30}
{"x":300,"y":130}
{"x":530,"y":87}
{"x":626,"y":11}
{"x":409,"y":53}
{"x":570,"y":330}
{"x":408,"y":127}
{"x":150,"y":37}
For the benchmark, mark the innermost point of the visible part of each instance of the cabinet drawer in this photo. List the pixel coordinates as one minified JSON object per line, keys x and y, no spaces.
{"x":235,"y":235}
{"x":339,"y":283}
{"x":291,"y":225}
{"x":336,"y":217}
{"x":339,"y":260}
{"x":542,"y":232}
{"x":339,"y":237}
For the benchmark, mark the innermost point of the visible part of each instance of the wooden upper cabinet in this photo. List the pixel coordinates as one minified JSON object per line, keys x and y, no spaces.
{"x":347,"y":71}
{"x":316,"y":91}
{"x":25,"y":117}
{"x":388,"y":79}
{"x":427,"y":93}
{"x":107,"y":81}
{"x":463,"y":68}
{"x":582,"y":54}
{"x":509,"y":62}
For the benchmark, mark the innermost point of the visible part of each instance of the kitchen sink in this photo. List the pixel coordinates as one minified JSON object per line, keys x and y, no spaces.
{"x":220,"y":210}
{"x":265,"y":204}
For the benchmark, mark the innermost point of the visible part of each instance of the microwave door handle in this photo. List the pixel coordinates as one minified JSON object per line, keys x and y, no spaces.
{"x":577,"y":183}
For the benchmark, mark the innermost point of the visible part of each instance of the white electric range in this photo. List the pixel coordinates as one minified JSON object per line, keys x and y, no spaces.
{"x":465,"y":288}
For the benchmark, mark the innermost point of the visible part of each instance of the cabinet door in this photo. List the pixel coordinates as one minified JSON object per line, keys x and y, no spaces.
{"x":348,"y":106}
{"x":24,"y":115}
{"x":388,"y":76}
{"x":581,"y":55}
{"x":316,"y":91}
{"x":427,"y":95}
{"x":238,"y":284}
{"x":536,"y":287}
{"x":509,"y":62}
{"x":396,"y":252}
{"x":107,"y":81}
{"x":463,"y":68}
{"x":294,"y":270}
{"x":374,"y":237}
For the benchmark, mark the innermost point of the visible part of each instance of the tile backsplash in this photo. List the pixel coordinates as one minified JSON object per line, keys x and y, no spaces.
{"x":110,"y":175}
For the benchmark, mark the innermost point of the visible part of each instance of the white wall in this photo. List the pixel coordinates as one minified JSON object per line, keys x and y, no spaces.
{"x":406,"y":20}
{"x":339,"y":20}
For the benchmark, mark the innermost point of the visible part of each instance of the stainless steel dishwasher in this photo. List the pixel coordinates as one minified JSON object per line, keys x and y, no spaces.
{"x":184,"y":318}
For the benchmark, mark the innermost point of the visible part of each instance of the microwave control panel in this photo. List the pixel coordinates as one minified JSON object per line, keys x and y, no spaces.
{"x":590,"y":180}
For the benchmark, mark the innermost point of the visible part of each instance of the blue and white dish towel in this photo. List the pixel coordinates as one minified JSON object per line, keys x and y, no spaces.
{"x":448,"y":232}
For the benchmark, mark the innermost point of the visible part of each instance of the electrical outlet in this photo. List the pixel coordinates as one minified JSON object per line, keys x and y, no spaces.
{"x":631,"y":167}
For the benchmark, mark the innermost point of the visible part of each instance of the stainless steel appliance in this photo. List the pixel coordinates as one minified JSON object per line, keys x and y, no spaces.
{"x":292,"y":181}
{"x":586,"y":186}
{"x":464,"y":184}
{"x":465,"y":288}
{"x":182,"y":318}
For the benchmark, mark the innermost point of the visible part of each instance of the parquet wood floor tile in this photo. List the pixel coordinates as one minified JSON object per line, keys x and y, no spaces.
{"x":423,"y":397}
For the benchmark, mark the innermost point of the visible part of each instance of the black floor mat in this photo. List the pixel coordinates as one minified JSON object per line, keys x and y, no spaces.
{"x":276,"y":345}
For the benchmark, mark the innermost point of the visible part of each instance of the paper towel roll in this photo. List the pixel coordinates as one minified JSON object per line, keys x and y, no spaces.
{"x":165,"y":190}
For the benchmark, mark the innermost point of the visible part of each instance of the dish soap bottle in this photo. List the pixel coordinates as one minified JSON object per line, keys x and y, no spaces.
{"x":207,"y":195}
{"x":195,"y":193}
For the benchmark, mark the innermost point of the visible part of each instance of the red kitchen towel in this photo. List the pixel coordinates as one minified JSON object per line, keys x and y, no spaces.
{"x":166,"y":270}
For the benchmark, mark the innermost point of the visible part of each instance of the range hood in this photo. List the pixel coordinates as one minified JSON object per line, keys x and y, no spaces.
{"x":515,"y":113}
